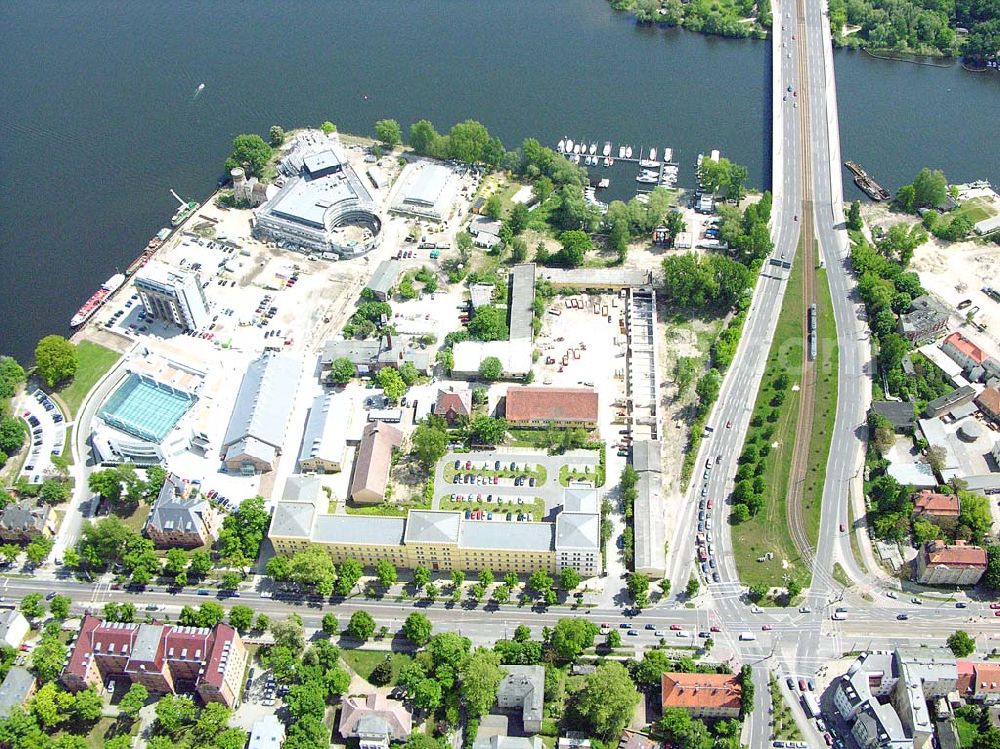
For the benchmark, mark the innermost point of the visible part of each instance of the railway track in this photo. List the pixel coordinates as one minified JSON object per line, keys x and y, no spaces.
{"x":807,"y":256}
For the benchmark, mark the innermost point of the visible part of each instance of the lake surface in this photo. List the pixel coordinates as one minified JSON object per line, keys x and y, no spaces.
{"x":100,"y":119}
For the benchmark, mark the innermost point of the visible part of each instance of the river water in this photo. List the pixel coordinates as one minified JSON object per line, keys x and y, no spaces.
{"x":100,"y":117}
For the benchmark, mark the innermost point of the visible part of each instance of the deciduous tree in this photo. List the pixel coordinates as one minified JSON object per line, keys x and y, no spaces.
{"x":55,"y":359}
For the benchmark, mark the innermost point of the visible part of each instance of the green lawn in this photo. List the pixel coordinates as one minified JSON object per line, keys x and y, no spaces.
{"x":136,"y":519}
{"x":784,"y":722}
{"x":966,"y":731}
{"x":768,"y":530}
{"x":102,"y":730}
{"x":363,"y":662}
{"x":825,"y":409}
{"x":95,"y":361}
{"x":975,"y":209}
{"x":385,"y":510}
{"x":566,"y":474}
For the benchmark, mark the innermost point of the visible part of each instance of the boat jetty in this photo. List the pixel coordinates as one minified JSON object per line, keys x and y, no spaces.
{"x":866,"y":182}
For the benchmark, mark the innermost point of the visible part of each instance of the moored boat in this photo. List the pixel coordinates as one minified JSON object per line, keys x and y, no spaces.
{"x":98,"y":298}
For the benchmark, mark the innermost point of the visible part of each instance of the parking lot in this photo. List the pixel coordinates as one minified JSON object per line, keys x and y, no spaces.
{"x":47,"y":431}
{"x":501,"y":483}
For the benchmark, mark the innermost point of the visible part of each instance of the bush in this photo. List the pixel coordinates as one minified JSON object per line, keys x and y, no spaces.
{"x":381,"y":674}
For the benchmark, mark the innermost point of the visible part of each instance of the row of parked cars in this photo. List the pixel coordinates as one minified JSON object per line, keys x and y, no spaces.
{"x":704,"y":543}
{"x":520,"y":517}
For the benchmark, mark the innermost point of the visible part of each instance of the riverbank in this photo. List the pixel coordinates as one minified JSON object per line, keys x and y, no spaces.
{"x":727,"y":18}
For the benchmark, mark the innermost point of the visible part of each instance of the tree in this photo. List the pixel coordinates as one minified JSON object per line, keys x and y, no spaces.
{"x":638,"y":588}
{"x":133,"y":701}
{"x":45,"y":706}
{"x":88,"y":705}
{"x":491,"y":369}
{"x":341,"y":371}
{"x":328,"y":127}
{"x":486,"y":577}
{"x":613,"y":639}
{"x":55,"y":359}
{"x":570,"y":637}
{"x":59,"y":606}
{"x":173,"y":713}
{"x":11,"y":376}
{"x":793,"y":588}
{"x":975,"y":515}
{"x":467,"y":141}
{"x":250,"y":153}
{"x":605,"y":703}
{"x":962,"y":644}
{"x":489,"y":324}
{"x":692,"y":587}
{"x":349,"y":574}
{"x":854,"y":216}
{"x":241,"y":617}
{"x":423,"y":137}
{"x":48,"y":657}
{"x":486,"y":430}
{"x":480,"y":678}
{"x":289,"y":633}
{"x":417,"y":628}
{"x":757,"y":592}
{"x":201,"y":564}
{"x":937,"y":458}
{"x":263,"y":623}
{"x":430,"y":443}
{"x":389,"y":132}
{"x":929,"y":188}
{"x":421,"y":576}
{"x":54,"y":491}
{"x":382,"y":673}
{"x":313,"y":568}
{"x":575,"y":244}
{"x":277,"y":135}
{"x":652,"y":666}
{"x":680,"y":729}
{"x":12,"y":433}
{"x":569,"y":579}
{"x":426,"y":695}
{"x":385,"y":571}
{"x":32,"y":606}
{"x":391,"y":383}
{"x":361,"y":625}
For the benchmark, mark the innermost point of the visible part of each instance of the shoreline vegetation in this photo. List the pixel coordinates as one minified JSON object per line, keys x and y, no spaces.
{"x":969,"y":29}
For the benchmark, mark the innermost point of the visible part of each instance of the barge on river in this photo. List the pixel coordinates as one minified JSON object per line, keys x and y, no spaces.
{"x":866,"y":182}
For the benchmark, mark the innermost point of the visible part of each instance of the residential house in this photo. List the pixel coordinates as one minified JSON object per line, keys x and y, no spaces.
{"x":24,"y":520}
{"x":17,"y":688}
{"x":939,"y":563}
{"x":164,"y":658}
{"x":925,"y":321}
{"x":989,"y":403}
{"x":540,"y":407}
{"x":451,"y":405}
{"x":376,"y":721}
{"x":371,"y":471}
{"x":702,"y":695}
{"x":181,"y":517}
{"x":13,"y":628}
{"x":934,"y":505}
{"x":524,"y":687}
{"x":899,"y":413}
{"x":371,"y":355}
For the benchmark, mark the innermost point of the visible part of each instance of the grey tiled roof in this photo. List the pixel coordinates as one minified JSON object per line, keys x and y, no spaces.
{"x":359,"y":529}
{"x":484,"y":534}
{"x":431,"y":526}
{"x":292,"y":519}
{"x":578,"y":530}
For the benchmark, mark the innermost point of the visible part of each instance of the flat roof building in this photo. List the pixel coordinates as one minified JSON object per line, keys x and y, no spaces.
{"x":649,"y":515}
{"x":173,"y":295}
{"x":372,"y":354}
{"x":522,"y":300}
{"x":371,"y":471}
{"x":267,"y":733}
{"x":427,"y":190}
{"x":514,"y":356}
{"x":256,"y":431}
{"x":321,"y":196}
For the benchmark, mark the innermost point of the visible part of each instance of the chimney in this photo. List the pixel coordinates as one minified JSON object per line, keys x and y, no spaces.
{"x":388,"y":340}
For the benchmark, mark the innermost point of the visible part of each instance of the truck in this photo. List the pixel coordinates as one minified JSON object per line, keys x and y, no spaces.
{"x":811,"y":705}
{"x":747,"y":636}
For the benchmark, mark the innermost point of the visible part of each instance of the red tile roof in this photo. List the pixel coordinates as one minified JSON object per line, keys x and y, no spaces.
{"x":965,"y":676}
{"x":958,"y":555}
{"x":926,"y":502}
{"x":551,"y":404}
{"x":989,"y":400}
{"x":700,"y":690}
{"x":967,"y":347}
{"x":986,"y":678}
{"x":449,"y":400}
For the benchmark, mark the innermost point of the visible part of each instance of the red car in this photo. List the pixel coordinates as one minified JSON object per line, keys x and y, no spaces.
{"x":709,"y":504}
{"x":729,"y":425}
{"x":675,"y":627}
{"x":765,"y":627}
{"x":995,"y":605}
{"x":802,"y":684}
{"x":714,"y":628}
{"x":996,"y":613}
